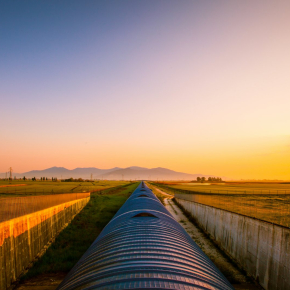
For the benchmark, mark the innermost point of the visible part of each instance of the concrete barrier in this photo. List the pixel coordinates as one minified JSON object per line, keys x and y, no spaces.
{"x":260,"y":248}
{"x":23,"y":238}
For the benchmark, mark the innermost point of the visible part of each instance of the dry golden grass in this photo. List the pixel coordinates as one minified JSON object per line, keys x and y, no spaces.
{"x":263,"y":201}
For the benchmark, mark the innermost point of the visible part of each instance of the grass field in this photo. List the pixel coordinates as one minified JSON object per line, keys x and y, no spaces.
{"x":264,"y":201}
{"x":235,"y":187}
{"x":25,"y":188}
{"x":160,"y":196}
{"x":76,"y":238}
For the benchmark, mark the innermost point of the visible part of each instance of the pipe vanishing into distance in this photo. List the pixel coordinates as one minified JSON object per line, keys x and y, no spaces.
{"x":144,"y":247}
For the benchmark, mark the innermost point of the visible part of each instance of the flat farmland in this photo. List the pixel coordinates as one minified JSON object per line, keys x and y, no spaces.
{"x":265,"y":201}
{"x":18,"y":188}
{"x":235,"y":187}
{"x":19,"y":199}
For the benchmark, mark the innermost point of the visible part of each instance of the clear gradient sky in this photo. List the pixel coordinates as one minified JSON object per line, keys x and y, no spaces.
{"x":194,"y":86}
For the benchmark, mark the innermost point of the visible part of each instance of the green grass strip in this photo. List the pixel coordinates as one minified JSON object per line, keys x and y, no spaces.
{"x":77,"y":237}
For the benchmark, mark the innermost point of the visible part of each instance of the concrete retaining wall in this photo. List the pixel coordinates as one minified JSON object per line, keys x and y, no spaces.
{"x":22,"y":238}
{"x":260,"y":248}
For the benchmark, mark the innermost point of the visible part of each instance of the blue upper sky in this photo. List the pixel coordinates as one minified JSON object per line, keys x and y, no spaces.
{"x":78,"y":76}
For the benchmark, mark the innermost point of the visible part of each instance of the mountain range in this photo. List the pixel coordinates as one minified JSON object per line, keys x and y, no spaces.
{"x":116,"y":173}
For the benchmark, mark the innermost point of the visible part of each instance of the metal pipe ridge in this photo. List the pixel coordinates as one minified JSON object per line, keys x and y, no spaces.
{"x":144,"y":247}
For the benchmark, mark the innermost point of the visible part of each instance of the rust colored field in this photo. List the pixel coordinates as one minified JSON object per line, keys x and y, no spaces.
{"x":13,"y":185}
{"x":13,"y":207}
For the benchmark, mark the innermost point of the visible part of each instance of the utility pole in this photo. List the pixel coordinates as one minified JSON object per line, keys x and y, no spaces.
{"x":10,"y":170}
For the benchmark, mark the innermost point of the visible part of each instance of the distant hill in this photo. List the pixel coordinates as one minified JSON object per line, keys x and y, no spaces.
{"x":116,"y":173}
{"x":149,"y":174}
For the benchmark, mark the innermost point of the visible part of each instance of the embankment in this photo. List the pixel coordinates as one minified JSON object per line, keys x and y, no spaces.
{"x":260,"y":248}
{"x":23,"y":238}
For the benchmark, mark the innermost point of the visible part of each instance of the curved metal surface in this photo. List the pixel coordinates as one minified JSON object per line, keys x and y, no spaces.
{"x":144,"y":247}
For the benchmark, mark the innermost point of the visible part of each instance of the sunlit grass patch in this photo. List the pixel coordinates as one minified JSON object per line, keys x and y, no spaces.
{"x":11,"y":189}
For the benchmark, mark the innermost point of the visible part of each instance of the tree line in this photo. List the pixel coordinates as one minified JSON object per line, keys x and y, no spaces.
{"x":77,"y":180}
{"x":55,"y":179}
{"x":210,"y":179}
{"x":41,"y":178}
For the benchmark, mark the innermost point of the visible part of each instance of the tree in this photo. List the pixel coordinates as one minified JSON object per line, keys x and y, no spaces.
{"x":203,"y":179}
{"x":24,"y":178}
{"x":209,"y":179}
{"x":198,"y":179}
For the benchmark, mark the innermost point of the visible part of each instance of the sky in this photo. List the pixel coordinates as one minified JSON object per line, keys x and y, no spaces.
{"x":194,"y":86}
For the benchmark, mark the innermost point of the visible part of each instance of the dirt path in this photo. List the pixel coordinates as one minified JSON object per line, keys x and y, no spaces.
{"x":233,"y":274}
{"x":164,"y":193}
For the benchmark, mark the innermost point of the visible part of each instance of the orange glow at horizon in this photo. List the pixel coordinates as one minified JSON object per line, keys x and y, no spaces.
{"x":259,"y":159}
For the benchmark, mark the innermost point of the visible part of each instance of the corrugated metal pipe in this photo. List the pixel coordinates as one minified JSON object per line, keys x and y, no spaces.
{"x":144,"y":247}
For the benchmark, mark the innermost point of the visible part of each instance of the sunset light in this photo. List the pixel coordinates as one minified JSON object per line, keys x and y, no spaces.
{"x":194,"y":86}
